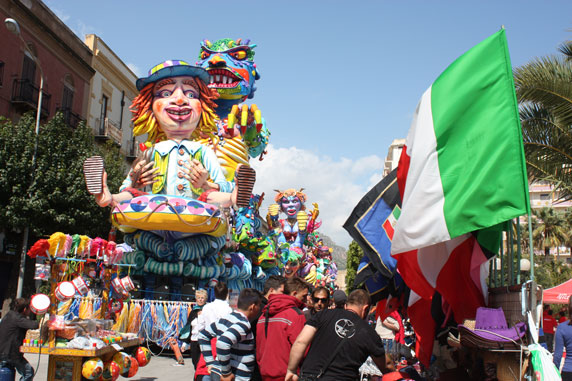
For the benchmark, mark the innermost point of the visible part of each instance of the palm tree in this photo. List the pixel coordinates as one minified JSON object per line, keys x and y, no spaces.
{"x":544,"y":90}
{"x":568,"y":226}
{"x":551,"y":229}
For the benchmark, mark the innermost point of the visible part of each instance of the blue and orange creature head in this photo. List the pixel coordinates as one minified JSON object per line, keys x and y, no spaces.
{"x":230,"y":64}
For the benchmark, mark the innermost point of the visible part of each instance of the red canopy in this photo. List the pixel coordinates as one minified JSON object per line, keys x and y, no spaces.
{"x":559,"y":294}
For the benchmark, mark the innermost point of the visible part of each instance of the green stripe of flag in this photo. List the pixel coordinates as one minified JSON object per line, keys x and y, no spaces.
{"x":479,"y":140}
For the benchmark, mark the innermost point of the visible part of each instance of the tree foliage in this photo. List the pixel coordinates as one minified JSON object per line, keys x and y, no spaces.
{"x":550,"y":231}
{"x":544,"y":90}
{"x":53,"y":197}
{"x":354,"y":255}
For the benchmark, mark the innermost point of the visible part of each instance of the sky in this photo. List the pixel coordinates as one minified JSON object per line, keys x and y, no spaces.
{"x":340,"y":80}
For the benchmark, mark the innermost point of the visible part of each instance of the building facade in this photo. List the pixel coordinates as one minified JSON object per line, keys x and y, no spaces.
{"x":393,"y":154}
{"x":64,"y":61}
{"x":112,"y":90}
{"x":50,"y":50}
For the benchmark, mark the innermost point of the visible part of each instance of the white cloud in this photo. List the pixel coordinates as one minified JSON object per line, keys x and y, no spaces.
{"x":135,"y":69}
{"x":61,"y":14}
{"x":335,"y":184}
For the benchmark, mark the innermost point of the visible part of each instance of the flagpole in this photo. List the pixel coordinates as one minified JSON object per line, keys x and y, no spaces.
{"x":530,"y":244}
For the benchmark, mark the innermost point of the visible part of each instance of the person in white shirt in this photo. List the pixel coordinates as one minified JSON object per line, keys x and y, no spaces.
{"x":216,"y":309}
{"x":387,"y":329}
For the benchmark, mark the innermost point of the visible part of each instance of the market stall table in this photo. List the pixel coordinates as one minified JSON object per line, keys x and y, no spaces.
{"x":65,"y":364}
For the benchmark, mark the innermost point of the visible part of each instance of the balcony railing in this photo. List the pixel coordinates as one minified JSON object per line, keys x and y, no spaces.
{"x":133,"y":150}
{"x":25,"y":94}
{"x":72,"y":119}
{"x":108,"y":129}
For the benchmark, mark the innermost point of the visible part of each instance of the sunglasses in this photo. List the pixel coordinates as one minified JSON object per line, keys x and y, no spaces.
{"x":323,"y":300}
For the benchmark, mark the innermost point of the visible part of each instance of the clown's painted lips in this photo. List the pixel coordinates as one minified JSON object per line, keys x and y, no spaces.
{"x":179,"y":114}
{"x":223,"y":79}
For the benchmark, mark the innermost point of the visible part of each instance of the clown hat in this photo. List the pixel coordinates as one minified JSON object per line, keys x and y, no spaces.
{"x":172,"y":68}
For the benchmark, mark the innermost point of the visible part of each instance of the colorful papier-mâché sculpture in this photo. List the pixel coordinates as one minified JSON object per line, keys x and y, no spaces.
{"x":248,"y":235}
{"x":241,"y":131}
{"x":298,"y":223}
{"x":174,"y":108}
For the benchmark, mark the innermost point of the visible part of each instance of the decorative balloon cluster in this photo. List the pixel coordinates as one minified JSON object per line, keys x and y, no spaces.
{"x":61,"y":245}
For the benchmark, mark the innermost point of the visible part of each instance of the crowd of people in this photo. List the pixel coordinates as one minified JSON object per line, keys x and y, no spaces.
{"x":290,"y":331}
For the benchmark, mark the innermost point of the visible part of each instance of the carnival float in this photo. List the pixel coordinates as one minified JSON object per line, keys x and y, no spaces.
{"x":188,"y":216}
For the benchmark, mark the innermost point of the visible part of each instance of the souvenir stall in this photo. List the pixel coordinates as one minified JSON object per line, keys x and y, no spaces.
{"x":85,"y":330}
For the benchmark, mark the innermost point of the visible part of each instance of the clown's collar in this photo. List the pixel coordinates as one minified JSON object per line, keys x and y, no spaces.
{"x":165,"y":147}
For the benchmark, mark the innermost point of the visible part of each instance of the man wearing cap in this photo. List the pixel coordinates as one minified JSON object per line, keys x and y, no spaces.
{"x":339,"y":297}
{"x":13,"y":329}
{"x":174,"y":108}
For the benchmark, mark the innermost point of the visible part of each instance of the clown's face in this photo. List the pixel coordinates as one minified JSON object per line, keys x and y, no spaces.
{"x":291,"y":268}
{"x":176,"y":107}
{"x":291,"y":205}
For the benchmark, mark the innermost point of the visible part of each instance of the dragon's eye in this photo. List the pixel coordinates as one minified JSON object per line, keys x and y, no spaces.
{"x":204,"y":55}
{"x":239,"y":54}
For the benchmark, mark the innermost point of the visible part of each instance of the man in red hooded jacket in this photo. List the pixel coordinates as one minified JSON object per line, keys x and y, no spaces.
{"x":281,"y":321}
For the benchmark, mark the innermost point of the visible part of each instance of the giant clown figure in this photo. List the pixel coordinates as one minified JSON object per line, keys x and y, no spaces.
{"x":174,"y":108}
{"x":293,"y":229}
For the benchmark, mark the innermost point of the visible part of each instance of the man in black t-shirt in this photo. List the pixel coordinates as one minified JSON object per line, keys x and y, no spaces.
{"x":341,"y":342}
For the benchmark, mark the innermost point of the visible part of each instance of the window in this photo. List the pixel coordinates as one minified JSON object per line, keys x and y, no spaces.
{"x":545,"y":196}
{"x":1,"y":72}
{"x":28,"y":76}
{"x":67,"y":97}
{"x":103,"y":115}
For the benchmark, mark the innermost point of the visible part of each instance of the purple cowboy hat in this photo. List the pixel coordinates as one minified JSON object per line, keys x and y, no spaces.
{"x":491,"y":329}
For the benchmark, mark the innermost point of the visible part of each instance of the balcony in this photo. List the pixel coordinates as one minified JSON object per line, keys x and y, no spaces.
{"x":25,"y":97}
{"x":133,"y":150}
{"x":108,"y":130}
{"x":72,"y":119}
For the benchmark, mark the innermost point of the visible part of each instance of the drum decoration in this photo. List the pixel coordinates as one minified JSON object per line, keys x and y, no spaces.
{"x":65,"y":291}
{"x":40,"y":303}
{"x":92,"y":368}
{"x":127,"y":284}
{"x":80,"y":285}
{"x":117,"y":286}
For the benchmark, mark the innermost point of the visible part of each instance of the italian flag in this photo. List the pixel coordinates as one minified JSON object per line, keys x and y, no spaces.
{"x":391,"y":221}
{"x":463,"y":166}
{"x":461,"y":176}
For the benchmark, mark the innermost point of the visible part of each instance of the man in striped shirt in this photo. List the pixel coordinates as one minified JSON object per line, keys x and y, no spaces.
{"x":235,"y":352}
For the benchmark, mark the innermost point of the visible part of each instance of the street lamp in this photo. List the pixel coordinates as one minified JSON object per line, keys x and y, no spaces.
{"x":12,"y":26}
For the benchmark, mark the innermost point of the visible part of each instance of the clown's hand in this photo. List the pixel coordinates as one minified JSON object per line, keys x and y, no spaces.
{"x":142,"y":174}
{"x":244,"y":118}
{"x":315,"y":211}
{"x":196,"y":174}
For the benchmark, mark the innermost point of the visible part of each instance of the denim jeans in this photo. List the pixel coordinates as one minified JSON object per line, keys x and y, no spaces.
{"x":212,"y":377}
{"x":23,"y":367}
{"x":387,"y":345}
